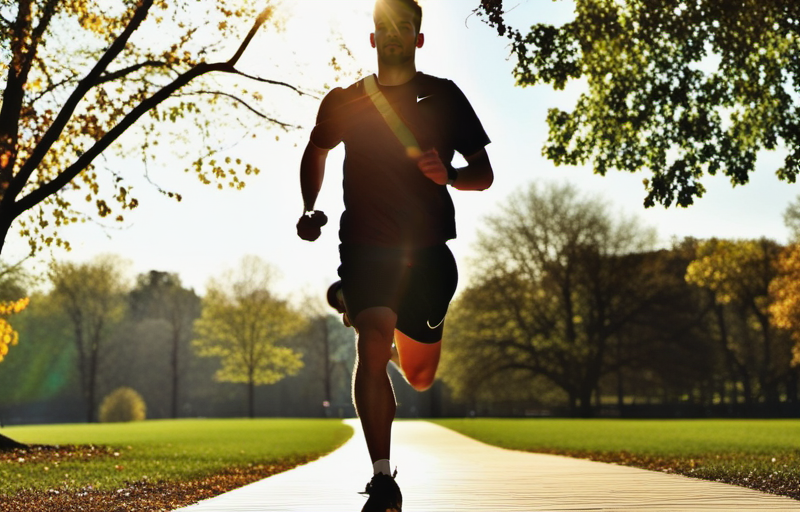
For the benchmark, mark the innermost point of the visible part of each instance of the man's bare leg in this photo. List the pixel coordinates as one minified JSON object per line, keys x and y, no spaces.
{"x":373,"y":395}
{"x":418,"y":361}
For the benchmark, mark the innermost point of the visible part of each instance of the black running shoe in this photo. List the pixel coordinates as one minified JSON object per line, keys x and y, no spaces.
{"x":384,"y":494}
{"x":336,"y":301}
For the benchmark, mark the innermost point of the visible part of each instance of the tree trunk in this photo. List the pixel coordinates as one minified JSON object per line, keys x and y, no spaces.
{"x":791,"y":386}
{"x":91,"y":397}
{"x":6,"y":443}
{"x":328,"y":372}
{"x":176,"y":335}
{"x":585,"y":409}
{"x":5,"y":225}
{"x":251,"y":401}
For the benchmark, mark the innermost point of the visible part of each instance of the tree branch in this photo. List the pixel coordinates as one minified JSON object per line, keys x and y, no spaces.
{"x":47,"y":15}
{"x":54,"y":132}
{"x":277,"y":82}
{"x":104,"y":142}
{"x":110,"y":77}
{"x":51,"y":87}
{"x":246,"y":105}
{"x":12,"y":96}
{"x":262,"y":17}
{"x":63,"y":178}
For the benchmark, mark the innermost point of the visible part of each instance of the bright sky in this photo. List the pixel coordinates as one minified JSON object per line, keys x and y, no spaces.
{"x":211,"y":230}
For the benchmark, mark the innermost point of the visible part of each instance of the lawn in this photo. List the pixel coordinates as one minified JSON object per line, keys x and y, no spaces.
{"x":162,"y":451}
{"x":760,"y":454}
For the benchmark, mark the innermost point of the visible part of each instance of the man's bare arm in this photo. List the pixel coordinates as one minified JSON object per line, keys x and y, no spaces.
{"x":312,"y":172}
{"x":477,"y":175}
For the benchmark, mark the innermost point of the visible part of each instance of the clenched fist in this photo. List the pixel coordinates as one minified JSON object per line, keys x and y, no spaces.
{"x":310,"y":224}
{"x":432,"y":166}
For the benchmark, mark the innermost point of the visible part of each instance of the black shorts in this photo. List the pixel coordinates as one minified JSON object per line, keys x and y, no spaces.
{"x":416,"y":284}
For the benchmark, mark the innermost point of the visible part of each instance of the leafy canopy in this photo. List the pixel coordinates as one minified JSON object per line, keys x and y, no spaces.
{"x":678,"y":89}
{"x":81,"y":73}
{"x":246,"y":325}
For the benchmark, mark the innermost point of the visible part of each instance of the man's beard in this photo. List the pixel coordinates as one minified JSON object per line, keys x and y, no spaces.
{"x":394,"y":59}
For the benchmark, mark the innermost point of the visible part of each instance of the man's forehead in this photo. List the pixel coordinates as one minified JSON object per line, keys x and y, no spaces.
{"x":393,"y":11}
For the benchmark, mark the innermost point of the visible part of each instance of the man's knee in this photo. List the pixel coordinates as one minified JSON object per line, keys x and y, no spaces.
{"x":421,"y":380}
{"x":375,"y":327}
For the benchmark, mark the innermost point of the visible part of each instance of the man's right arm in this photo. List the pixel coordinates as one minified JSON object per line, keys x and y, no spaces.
{"x":312,"y":172}
{"x":325,"y":135}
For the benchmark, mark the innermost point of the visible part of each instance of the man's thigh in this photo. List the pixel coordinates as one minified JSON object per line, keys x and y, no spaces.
{"x":430,"y":285}
{"x":372,"y":277}
{"x":416,"y":284}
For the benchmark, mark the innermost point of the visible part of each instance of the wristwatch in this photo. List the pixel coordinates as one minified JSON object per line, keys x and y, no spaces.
{"x":452,"y":174}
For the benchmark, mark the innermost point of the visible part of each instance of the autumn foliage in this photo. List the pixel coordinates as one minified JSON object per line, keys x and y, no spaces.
{"x":8,"y":336}
{"x":785,"y":291}
{"x":78,"y":77}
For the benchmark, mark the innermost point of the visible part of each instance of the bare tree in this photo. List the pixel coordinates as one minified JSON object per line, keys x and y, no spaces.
{"x":558,"y":281}
{"x":93,"y":297}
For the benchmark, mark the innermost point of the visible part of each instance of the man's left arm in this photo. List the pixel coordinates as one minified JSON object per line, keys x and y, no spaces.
{"x":477,"y":175}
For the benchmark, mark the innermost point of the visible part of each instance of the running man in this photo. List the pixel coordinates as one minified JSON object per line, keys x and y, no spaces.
{"x":400,"y":130}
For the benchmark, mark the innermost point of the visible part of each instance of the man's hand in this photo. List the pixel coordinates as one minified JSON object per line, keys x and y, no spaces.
{"x":432,"y":166}
{"x":310,"y":224}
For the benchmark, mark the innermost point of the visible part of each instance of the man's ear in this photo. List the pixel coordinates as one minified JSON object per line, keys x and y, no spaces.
{"x":420,"y":40}
{"x":372,"y":40}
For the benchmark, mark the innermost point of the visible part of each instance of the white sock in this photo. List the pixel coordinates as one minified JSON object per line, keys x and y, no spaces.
{"x":382,"y":466}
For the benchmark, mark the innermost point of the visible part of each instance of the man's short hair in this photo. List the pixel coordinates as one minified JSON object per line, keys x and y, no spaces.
{"x":411,"y":5}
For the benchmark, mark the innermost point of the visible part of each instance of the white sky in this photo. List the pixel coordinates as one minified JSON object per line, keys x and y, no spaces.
{"x":211,"y":230}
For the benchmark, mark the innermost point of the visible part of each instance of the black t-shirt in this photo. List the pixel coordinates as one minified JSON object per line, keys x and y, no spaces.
{"x":388,"y":201}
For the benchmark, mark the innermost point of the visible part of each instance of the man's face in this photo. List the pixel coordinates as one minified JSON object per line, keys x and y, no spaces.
{"x":395,"y":37}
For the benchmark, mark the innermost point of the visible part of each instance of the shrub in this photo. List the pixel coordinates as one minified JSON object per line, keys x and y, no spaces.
{"x":123,"y":404}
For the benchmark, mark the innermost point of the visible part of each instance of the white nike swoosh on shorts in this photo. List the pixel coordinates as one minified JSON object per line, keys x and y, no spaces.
{"x":432,"y":327}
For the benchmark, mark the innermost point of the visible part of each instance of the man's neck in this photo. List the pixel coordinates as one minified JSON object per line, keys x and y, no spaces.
{"x":395,"y":75}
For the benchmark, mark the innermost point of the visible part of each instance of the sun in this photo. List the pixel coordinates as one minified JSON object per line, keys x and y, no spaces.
{"x":317,"y":30}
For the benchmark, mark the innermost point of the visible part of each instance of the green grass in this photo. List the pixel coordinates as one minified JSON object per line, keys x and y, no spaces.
{"x":169,"y":450}
{"x":761,"y":454}
{"x":647,"y":437}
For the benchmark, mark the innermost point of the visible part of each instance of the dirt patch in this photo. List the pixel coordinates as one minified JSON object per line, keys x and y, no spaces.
{"x":47,"y":454}
{"x":135,"y":497}
{"x":782,"y":483}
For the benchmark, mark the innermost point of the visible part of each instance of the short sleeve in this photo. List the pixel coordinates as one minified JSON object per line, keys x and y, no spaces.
{"x":329,"y":130}
{"x":469,"y":137}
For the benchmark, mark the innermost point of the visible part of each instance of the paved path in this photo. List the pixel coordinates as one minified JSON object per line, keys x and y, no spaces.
{"x":443,"y":471}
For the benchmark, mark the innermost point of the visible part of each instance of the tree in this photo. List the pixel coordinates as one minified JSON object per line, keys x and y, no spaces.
{"x":80,"y":75}
{"x":93,"y":297}
{"x":328,"y":355}
{"x":785,"y":288}
{"x":791,"y":219}
{"x":785,"y":293}
{"x":160,"y":295}
{"x":738,"y":274}
{"x":244,"y":323}
{"x":10,"y":289}
{"x":677,"y":89}
{"x":559,"y":281}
